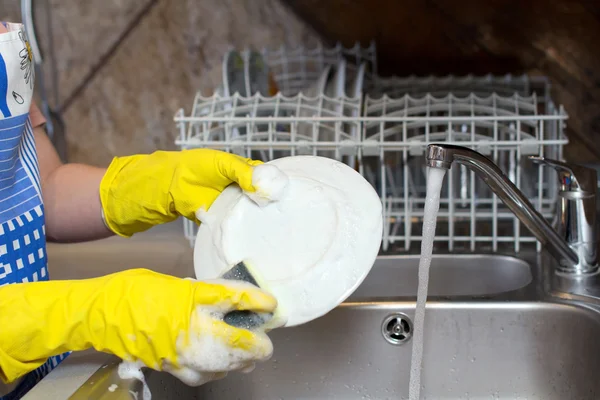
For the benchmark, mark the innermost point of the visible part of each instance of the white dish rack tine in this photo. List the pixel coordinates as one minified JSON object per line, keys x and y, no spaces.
{"x":383,"y":133}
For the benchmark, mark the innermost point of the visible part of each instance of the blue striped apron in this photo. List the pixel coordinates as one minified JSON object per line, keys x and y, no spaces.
{"x":23,"y":255}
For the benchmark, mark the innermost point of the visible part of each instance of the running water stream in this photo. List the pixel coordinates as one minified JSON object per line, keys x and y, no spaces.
{"x":435,"y":178}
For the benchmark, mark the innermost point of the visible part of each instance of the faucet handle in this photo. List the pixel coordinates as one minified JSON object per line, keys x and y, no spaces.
{"x":572,"y":177}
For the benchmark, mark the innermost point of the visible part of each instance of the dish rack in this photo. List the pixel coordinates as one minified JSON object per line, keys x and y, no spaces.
{"x":331,"y":102}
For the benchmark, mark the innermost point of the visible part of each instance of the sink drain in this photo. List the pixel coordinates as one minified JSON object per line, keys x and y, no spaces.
{"x":397,"y":329}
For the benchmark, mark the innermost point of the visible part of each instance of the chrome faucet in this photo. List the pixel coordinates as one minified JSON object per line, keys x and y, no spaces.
{"x":573,"y":241}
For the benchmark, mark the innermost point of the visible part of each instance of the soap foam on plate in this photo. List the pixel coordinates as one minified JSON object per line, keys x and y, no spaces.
{"x":270,"y":184}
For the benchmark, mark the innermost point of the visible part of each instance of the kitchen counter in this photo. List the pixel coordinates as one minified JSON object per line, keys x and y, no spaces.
{"x":163,"y":249}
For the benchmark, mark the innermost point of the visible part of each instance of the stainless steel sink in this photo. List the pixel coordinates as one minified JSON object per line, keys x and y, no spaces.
{"x":496,"y":328}
{"x":450,"y":275}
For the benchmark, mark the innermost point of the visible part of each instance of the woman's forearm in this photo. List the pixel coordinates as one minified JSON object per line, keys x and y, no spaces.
{"x":71,"y":196}
{"x":72,"y":204}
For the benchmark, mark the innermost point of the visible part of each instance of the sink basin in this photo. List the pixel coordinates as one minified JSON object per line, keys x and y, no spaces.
{"x":493,"y":330}
{"x":464,"y":275}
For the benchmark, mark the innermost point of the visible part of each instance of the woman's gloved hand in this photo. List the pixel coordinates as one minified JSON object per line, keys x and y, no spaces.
{"x":164,"y":322}
{"x":140,"y":191}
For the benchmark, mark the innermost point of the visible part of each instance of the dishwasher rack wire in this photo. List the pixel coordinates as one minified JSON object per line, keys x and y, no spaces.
{"x":382,"y":130}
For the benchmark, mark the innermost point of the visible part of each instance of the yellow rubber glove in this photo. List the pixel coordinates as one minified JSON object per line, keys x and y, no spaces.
{"x":138,"y":315}
{"x":140,"y":191}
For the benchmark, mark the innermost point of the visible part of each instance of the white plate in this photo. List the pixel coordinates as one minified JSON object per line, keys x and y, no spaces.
{"x":313,"y":92}
{"x":319,"y":87}
{"x":356,"y":89}
{"x":336,"y":87}
{"x":311,"y":249}
{"x":233,"y":74}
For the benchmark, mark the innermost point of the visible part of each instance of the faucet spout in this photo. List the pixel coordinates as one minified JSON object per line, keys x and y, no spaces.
{"x":443,"y":156}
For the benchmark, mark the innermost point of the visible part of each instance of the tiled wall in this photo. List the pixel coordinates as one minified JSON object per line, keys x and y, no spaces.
{"x":125,"y":67}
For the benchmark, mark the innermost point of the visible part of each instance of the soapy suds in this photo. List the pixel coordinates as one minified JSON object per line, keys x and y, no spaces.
{"x":133,"y":370}
{"x":207,"y":357}
{"x":270,"y":184}
{"x":204,"y":356}
{"x":435,"y":178}
{"x":113,"y":387}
